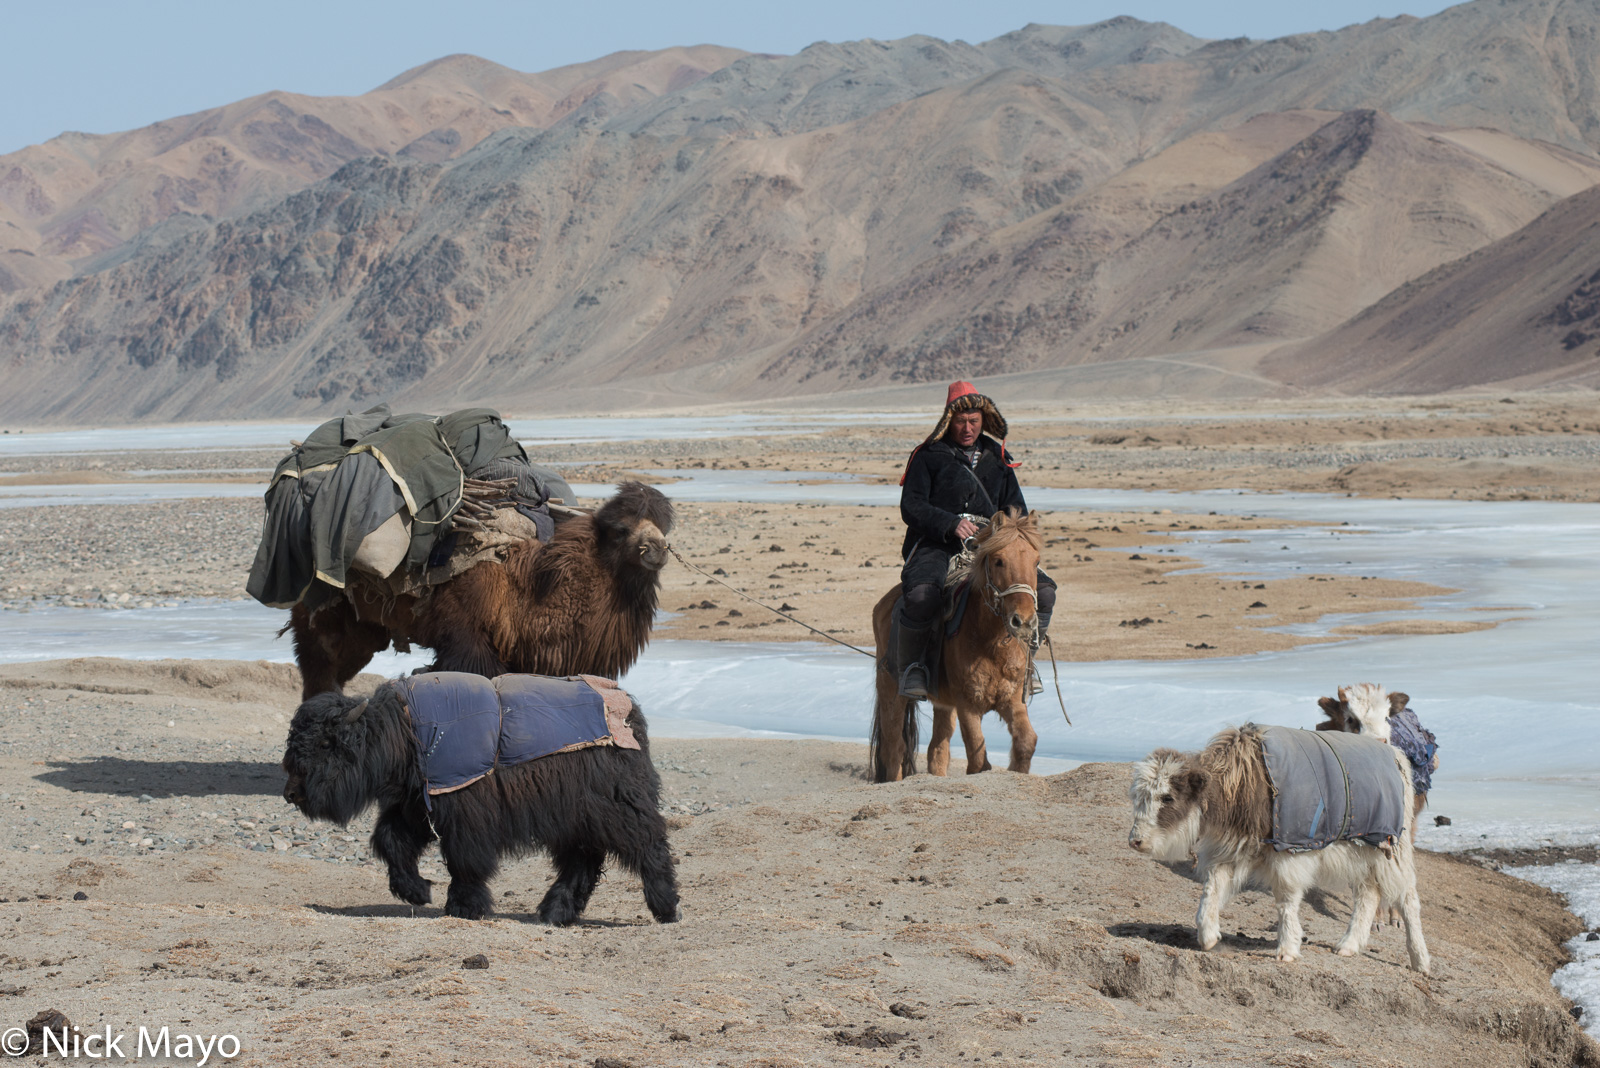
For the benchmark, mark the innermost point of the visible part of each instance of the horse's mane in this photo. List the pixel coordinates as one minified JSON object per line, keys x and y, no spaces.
{"x":995,"y":539}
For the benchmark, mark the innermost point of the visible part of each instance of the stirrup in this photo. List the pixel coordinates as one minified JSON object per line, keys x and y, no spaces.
{"x":914,"y":682}
{"x":1035,"y":683}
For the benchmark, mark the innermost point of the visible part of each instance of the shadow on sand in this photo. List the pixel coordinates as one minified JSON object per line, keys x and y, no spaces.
{"x":164,"y":778}
{"x":395,"y":910}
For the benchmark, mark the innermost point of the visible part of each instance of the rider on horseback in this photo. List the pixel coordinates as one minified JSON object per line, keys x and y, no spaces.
{"x":961,"y":470}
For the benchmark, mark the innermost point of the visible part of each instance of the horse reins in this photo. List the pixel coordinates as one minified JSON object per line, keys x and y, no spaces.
{"x":992,"y":598}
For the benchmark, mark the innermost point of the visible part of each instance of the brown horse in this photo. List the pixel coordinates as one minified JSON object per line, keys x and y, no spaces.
{"x":985,"y":664}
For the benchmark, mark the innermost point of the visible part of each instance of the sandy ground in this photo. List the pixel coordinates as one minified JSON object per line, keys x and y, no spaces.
{"x":827,"y":920}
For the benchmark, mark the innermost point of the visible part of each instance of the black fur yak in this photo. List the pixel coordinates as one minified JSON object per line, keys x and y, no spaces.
{"x":345,"y":754}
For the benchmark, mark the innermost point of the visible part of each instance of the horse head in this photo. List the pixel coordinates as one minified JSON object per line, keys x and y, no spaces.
{"x":1007,"y":564}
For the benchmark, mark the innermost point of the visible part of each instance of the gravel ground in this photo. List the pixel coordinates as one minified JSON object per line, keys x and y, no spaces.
{"x":132,"y":556}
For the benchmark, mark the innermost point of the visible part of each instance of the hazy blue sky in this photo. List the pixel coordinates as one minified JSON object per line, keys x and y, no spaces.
{"x":102,"y":66}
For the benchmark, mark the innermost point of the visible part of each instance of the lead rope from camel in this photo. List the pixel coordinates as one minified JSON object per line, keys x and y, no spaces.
{"x":1054,"y":670}
{"x":768,"y":607}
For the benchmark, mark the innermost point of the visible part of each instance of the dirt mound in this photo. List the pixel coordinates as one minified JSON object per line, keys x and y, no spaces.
{"x":939,"y":919}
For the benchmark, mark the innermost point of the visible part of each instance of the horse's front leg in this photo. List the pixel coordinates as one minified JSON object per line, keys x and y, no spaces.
{"x":944,"y":725}
{"x":972,"y":737}
{"x":1024,"y":739}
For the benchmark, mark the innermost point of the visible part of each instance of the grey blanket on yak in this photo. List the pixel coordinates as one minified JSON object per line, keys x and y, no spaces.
{"x":1328,"y":786}
{"x":467,"y":725}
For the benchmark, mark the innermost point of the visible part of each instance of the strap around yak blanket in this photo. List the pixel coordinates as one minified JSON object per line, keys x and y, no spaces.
{"x":466,"y":725}
{"x":1328,"y":786}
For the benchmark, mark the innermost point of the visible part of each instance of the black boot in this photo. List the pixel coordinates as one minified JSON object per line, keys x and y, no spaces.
{"x":909,"y":653}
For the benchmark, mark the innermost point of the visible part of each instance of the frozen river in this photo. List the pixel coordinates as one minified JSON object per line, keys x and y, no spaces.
{"x":1518,"y":717}
{"x":532,"y":432}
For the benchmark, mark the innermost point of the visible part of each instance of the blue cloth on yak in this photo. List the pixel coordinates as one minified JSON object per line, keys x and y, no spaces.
{"x":1407,"y":734}
{"x":467,"y":724}
{"x":1328,"y":786}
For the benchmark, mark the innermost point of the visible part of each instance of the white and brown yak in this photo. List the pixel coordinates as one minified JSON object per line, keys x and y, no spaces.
{"x":1218,"y":804}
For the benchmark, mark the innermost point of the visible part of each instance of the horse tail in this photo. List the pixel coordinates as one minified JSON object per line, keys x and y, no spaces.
{"x":908,"y":735}
{"x":883,"y":711}
{"x":880,"y":773}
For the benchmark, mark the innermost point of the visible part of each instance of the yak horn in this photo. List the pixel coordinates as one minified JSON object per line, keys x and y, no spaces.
{"x":355,"y":713}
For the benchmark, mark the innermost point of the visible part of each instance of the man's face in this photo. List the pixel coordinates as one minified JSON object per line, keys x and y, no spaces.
{"x":965,"y":428}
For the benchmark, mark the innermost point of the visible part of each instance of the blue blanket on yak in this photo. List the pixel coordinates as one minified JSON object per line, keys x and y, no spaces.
{"x":467,"y":725}
{"x":1328,"y":786}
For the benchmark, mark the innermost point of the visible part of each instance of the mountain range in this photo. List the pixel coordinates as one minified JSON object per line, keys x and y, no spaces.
{"x":1404,"y":205}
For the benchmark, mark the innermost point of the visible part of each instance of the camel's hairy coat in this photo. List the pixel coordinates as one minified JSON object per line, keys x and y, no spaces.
{"x":583,"y":604}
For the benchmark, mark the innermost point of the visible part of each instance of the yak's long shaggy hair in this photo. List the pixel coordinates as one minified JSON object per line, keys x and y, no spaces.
{"x":345,"y":754}
{"x":583,"y":604}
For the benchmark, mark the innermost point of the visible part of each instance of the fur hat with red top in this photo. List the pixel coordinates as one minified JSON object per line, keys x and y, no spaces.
{"x":964,"y":397}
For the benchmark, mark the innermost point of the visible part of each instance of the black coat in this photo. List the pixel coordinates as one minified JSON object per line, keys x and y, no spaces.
{"x":939,"y":487}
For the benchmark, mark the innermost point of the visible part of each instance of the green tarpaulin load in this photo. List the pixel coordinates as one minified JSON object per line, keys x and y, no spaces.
{"x":396,"y":479}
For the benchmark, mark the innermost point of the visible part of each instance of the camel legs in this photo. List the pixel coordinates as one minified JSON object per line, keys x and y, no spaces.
{"x":944,"y":725}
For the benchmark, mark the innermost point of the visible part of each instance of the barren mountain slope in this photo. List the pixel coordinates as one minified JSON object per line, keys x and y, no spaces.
{"x":1522,"y":310}
{"x":857,"y":214}
{"x":543,"y":259}
{"x":758,"y":267}
{"x":1303,"y":240}
{"x":78,"y":195}
{"x":1529,"y":66}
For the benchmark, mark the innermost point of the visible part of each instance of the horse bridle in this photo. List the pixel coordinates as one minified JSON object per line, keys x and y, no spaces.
{"x":992,"y":597}
{"x":995,"y":598}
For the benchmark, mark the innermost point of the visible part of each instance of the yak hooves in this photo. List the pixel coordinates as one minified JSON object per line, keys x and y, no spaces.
{"x":473,"y":904}
{"x":413,"y":891}
{"x":556,"y":917}
{"x":466,"y":911}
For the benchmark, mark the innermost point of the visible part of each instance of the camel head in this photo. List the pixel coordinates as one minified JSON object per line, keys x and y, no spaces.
{"x":632,"y":527}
